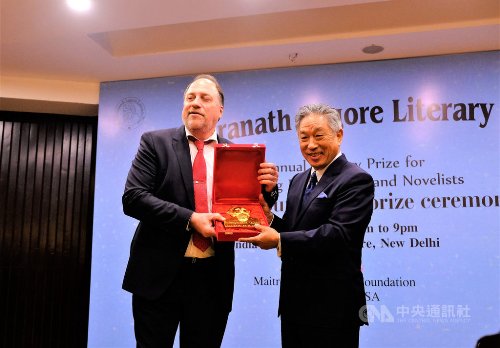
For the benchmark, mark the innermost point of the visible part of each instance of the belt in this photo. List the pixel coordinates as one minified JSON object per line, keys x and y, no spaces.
{"x":198,"y":260}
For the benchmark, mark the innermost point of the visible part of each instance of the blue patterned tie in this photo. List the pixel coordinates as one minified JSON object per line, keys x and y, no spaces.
{"x":312,"y":184}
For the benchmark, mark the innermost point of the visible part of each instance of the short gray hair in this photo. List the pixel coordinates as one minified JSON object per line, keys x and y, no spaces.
{"x":332,"y":115}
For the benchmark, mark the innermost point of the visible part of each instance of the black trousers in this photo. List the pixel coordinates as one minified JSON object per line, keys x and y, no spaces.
{"x":298,"y":334}
{"x":189,"y":303}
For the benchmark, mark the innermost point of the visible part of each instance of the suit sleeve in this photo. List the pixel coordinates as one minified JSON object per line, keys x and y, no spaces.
{"x":270,"y":197}
{"x":139,"y":199}
{"x":343,"y":225}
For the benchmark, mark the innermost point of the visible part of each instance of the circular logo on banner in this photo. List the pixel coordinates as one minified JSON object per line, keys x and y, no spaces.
{"x":132,"y":112}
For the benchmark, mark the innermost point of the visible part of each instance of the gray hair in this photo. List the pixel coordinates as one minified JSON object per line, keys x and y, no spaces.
{"x":332,"y":115}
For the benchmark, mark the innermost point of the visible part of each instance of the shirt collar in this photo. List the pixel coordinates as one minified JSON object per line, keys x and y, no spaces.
{"x":320,"y":172}
{"x":212,"y":137}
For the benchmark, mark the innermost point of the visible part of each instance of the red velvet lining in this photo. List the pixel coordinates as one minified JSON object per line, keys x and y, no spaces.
{"x":235,"y":184}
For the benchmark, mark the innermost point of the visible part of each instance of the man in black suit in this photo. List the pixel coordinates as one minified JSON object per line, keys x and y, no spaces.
{"x":174,"y":280}
{"x":320,"y":238}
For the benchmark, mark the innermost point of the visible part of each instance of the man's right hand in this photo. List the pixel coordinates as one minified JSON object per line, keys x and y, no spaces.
{"x":204,"y":223}
{"x":267,"y":238}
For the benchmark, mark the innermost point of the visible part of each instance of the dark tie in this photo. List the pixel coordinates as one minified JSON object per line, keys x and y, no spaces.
{"x":312,"y":184}
{"x":200,"y":191}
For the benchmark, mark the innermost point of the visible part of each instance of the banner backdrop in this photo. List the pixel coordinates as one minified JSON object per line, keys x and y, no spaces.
{"x":426,"y":129}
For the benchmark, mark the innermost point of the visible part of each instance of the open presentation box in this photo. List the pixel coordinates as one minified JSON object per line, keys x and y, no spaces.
{"x":236,"y":190}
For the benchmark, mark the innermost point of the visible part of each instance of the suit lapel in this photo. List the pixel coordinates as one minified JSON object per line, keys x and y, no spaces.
{"x":314,"y":193}
{"x":222,"y":140}
{"x":295,"y":194}
{"x":181,"y":148}
{"x":328,"y":176}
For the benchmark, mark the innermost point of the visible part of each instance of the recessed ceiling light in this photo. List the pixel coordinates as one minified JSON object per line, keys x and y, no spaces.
{"x":79,"y":5}
{"x":372,"y":49}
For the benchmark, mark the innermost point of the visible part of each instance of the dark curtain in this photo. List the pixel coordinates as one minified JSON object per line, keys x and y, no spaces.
{"x":47,"y":166}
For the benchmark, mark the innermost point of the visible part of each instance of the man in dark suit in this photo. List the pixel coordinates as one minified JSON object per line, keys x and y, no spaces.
{"x":320,"y":238}
{"x":174,"y":279}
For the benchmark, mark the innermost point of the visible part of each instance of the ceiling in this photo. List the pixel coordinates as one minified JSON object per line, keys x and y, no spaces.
{"x":129,"y":39}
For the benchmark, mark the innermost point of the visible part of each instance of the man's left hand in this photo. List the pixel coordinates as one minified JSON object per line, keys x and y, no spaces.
{"x":268,"y":176}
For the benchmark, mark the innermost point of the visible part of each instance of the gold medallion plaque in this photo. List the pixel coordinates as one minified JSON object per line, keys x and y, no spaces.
{"x":240,"y":217}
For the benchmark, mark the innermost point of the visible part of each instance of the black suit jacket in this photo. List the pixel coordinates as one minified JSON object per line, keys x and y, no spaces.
{"x":321,"y":242}
{"x":159,"y":193}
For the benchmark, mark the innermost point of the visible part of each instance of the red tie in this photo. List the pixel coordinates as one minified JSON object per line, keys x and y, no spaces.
{"x":200,"y":192}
